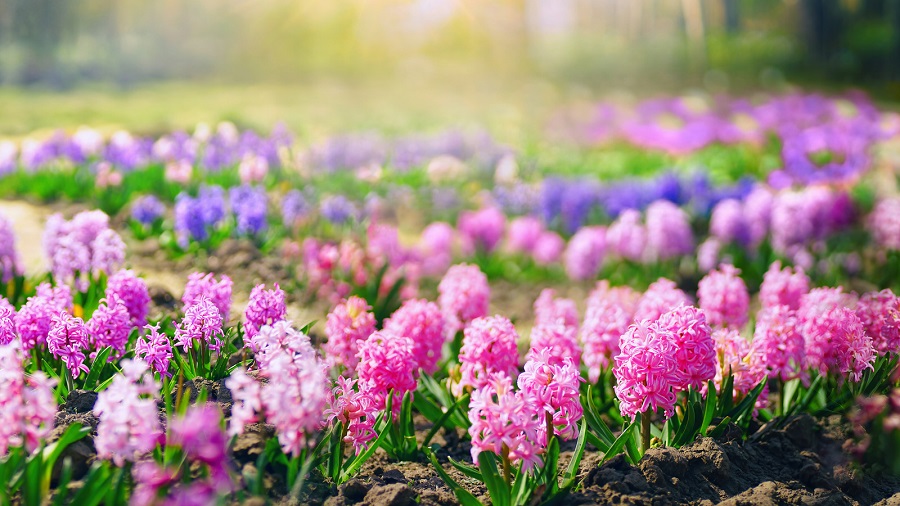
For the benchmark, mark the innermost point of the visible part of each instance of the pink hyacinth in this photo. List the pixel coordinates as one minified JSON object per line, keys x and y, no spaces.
{"x":884,"y":223}
{"x":107,"y":252}
{"x":264,"y":308}
{"x":59,"y":296}
{"x":523,"y":234}
{"x":7,"y":325}
{"x":550,"y":309}
{"x":558,"y":340}
{"x":68,"y":340}
{"x":295,"y":395}
{"x":132,"y":291}
{"x":880,"y":314}
{"x":10,"y":265}
{"x":695,"y":350}
{"x":661,"y":297}
{"x":605,"y":321}
{"x":548,"y":249}
{"x":246,"y":401}
{"x":669,"y":232}
{"x":489,"y":346}
{"x":735,"y":358}
{"x":782,"y":287}
{"x":778,"y":345}
{"x":27,"y":403}
{"x":202,"y":285}
{"x":836,"y":343}
{"x":627,"y":236}
{"x":129,"y":418}
{"x":464,"y":296}
{"x":34,"y":318}
{"x":727,"y":223}
{"x":423,"y":322}
{"x":708,"y":254}
{"x":155,"y":349}
{"x":553,"y":388}
{"x":200,"y":436}
{"x":724,"y":298}
{"x":504,"y":419}
{"x":646,"y":371}
{"x":435,"y":248}
{"x":482,"y":230}
{"x":356,"y":410}
{"x":758,"y":214}
{"x":387,"y":363}
{"x":280,"y":339}
{"x":347,"y":325}
{"x":585,"y":252}
{"x":202,"y":323}
{"x":110,"y":325}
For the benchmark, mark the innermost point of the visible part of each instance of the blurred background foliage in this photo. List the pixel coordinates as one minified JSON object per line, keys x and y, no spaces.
{"x":524,"y":49}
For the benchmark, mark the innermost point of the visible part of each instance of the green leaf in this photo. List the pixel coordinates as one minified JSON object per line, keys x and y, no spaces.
{"x":464,"y":496}
{"x":720,"y":428}
{"x":97,"y":480}
{"x":443,"y":420}
{"x":466,"y":469}
{"x":572,"y":470}
{"x":616,"y":447}
{"x":353,"y":465}
{"x":97,"y":367}
{"x":497,"y":487}
{"x":52,"y":452}
{"x":710,"y":406}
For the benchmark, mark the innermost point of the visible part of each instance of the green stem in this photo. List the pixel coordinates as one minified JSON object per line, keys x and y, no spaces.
{"x":645,"y":431}
{"x":178,"y":391}
{"x":507,"y":468}
{"x":550,"y":429}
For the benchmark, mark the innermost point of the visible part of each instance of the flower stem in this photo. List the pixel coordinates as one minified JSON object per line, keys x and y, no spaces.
{"x":178,"y":391}
{"x":645,"y":431}
{"x":550,"y":429}
{"x":507,"y":469}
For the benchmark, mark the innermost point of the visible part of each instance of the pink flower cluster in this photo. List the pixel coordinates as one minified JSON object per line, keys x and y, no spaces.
{"x":347,"y":325}
{"x":264,"y":308}
{"x":154,"y":348}
{"x":736,"y":358}
{"x":110,"y":325}
{"x":68,"y":340}
{"x":27,"y":403}
{"x":7,"y":324}
{"x":627,"y":236}
{"x":202,"y":324}
{"x":482,"y":230}
{"x":423,"y":323}
{"x":783,"y":287}
{"x":489,"y":347}
{"x":464,"y":296}
{"x":132,"y":291}
{"x":555,"y":328}
{"x":387,"y":363}
{"x":724,"y":298}
{"x":10,"y":266}
{"x":880,"y":315}
{"x":505,"y":421}
{"x":129,"y":419}
{"x":778,"y":346}
{"x":355,"y":409}
{"x":82,"y":247}
{"x":884,"y":222}
{"x":585,"y":252}
{"x":661,"y":297}
{"x":204,"y":285}
{"x":553,"y":389}
{"x":836,"y":342}
{"x":668,"y":231}
{"x":609,"y":313}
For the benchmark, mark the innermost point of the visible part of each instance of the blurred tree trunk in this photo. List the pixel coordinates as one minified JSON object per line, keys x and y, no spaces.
{"x":732,"y":10}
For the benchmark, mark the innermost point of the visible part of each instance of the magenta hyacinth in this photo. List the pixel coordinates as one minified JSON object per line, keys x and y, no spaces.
{"x":727,"y":223}
{"x":202,"y":323}
{"x":68,"y":340}
{"x":34,"y":318}
{"x":129,"y":418}
{"x":489,"y":346}
{"x":387,"y":363}
{"x":435,"y":248}
{"x":836,"y":342}
{"x":627,"y":236}
{"x":27,"y":403}
{"x":585,"y":252}
{"x":550,"y":309}
{"x":202,"y":285}
{"x":558,"y":340}
{"x":264,"y":308}
{"x":605,"y":321}
{"x":646,"y":371}
{"x":661,"y":297}
{"x":735,"y":358}
{"x":59,"y":296}
{"x":482,"y":230}
{"x":200,"y":436}
{"x":464,"y":296}
{"x":523,"y":234}
{"x":554,"y":388}
{"x":724,"y":298}
{"x":778,"y":345}
{"x":880,"y":315}
{"x":110,"y":325}
{"x":423,"y":322}
{"x":155,"y":349}
{"x":669,"y":232}
{"x":695,"y":350}
{"x":356,"y":410}
{"x":347,"y":325}
{"x":783,"y":287}
{"x":503,"y":418}
{"x":133,"y":293}
{"x":7,"y":325}
{"x":548,"y":249}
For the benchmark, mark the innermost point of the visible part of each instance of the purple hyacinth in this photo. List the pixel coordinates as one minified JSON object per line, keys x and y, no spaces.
{"x":481,"y":230}
{"x":202,"y":323}
{"x":264,"y":308}
{"x":7,"y":324}
{"x":67,"y":339}
{"x":585,"y":252}
{"x":250,"y":206}
{"x":110,"y":325}
{"x":294,"y":207}
{"x":154,"y":347}
{"x":204,"y":285}
{"x":338,"y":209}
{"x":147,"y":209}
{"x":668,"y":231}
{"x":132,"y":291}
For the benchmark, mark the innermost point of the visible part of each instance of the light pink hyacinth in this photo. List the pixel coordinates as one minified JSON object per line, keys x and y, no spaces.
{"x":202,"y":285}
{"x":423,"y":322}
{"x":548,"y":249}
{"x":247,"y":404}
{"x":627,"y":236}
{"x":27,"y":403}
{"x":646,"y":370}
{"x":464,"y":296}
{"x":347,"y":325}
{"x":489,"y":346}
{"x":68,"y":340}
{"x":129,"y":419}
{"x":695,"y":350}
{"x":836,"y":343}
{"x":7,"y":324}
{"x":202,"y":323}
{"x":265,"y":307}
{"x":523,"y":234}
{"x":554,"y":388}
{"x":783,"y":287}
{"x":605,"y":320}
{"x":550,"y":309}
{"x":387,"y":363}
{"x":279,"y":339}
{"x":884,"y":223}
{"x":669,"y":232}
{"x":661,"y":297}
{"x":777,"y":344}
{"x":154,"y":348}
{"x":880,"y":314}
{"x":735,"y":358}
{"x":724,"y":298}
{"x":505,"y":418}
{"x":585,"y":252}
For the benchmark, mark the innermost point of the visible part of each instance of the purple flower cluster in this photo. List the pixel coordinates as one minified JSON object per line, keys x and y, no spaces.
{"x":132,"y":292}
{"x":264,"y":308}
{"x":82,"y":247}
{"x":250,"y":207}
{"x":204,"y":285}
{"x":196,"y":217}
{"x":10,"y":265}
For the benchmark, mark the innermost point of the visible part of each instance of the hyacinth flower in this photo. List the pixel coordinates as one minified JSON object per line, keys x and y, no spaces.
{"x":387,"y":368}
{"x":464,"y":295}
{"x":202,"y":285}
{"x":554,"y":387}
{"x":264,"y":308}
{"x":111,"y":326}
{"x":724,"y":298}
{"x":482,"y":230}
{"x":606,"y":319}
{"x":585,"y":252}
{"x":488,"y":347}
{"x":7,"y":325}
{"x":129,"y":420}
{"x":880,"y":315}
{"x":82,"y":248}
{"x":661,"y":297}
{"x":199,"y":333}
{"x":67,"y":340}
{"x":196,"y":467}
{"x":154,"y":348}
{"x":250,"y":207}
{"x":423,"y":322}
{"x":346,"y":326}
{"x":132,"y":291}
{"x":27,"y":403}
{"x":783,"y":287}
{"x":10,"y":265}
